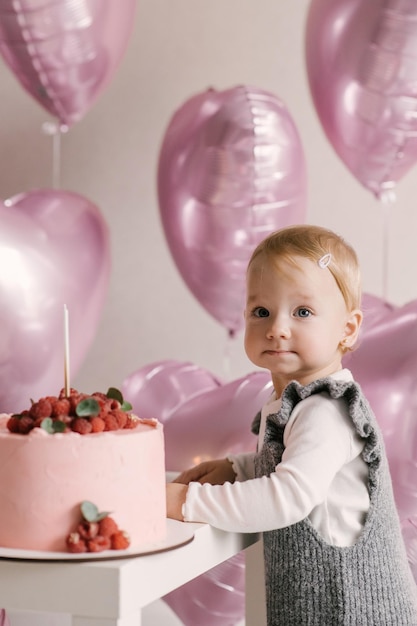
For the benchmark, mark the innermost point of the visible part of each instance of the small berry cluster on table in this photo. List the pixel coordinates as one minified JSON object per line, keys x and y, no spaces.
{"x":96,"y":532}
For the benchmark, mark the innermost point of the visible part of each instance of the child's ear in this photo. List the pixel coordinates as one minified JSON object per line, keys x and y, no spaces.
{"x":351,"y":331}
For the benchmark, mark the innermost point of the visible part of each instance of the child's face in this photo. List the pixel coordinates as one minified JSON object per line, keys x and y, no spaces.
{"x":296,"y":319}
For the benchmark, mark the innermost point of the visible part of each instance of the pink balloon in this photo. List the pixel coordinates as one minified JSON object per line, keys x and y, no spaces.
{"x":231,"y":169}
{"x":4,"y":621}
{"x":54,"y":250}
{"x":362,"y":68}
{"x":65,"y":52}
{"x":216,"y":598}
{"x":385,"y":365}
{"x":164,"y":386}
{"x":203,"y":418}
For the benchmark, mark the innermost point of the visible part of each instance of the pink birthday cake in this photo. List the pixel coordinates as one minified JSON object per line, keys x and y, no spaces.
{"x":68,"y":463}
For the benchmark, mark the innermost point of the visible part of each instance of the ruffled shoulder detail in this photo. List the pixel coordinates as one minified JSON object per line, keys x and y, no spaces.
{"x":359,"y":409}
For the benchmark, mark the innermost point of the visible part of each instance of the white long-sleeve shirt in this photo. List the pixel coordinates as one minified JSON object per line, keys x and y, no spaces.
{"x":321,"y":476}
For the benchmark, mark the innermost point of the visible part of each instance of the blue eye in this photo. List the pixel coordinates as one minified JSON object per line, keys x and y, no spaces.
{"x":260,"y":311}
{"x":303,"y":312}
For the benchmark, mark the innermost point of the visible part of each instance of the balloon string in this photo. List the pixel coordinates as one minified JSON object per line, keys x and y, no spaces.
{"x":227,"y":354}
{"x":55,"y":131}
{"x":387,"y":198}
{"x":385,"y":253}
{"x":56,"y":160}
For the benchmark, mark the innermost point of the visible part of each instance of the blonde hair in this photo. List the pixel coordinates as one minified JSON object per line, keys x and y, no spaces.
{"x":316,"y":243}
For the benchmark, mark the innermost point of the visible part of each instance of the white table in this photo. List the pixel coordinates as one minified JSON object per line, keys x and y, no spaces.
{"x":113,"y":593}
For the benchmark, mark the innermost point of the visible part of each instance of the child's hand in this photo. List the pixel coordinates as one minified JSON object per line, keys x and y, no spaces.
{"x":215,"y":472}
{"x":175,"y":495}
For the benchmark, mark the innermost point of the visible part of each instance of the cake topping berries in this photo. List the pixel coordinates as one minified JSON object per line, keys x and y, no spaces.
{"x":80,"y":412}
{"x":96,"y":531}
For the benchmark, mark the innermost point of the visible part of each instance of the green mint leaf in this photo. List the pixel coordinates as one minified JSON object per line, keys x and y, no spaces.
{"x":89,"y":511}
{"x":115,"y":394}
{"x":46,"y":424}
{"x":87,"y":408}
{"x":102,"y":515}
{"x":126,"y":406}
{"x":52,"y":426}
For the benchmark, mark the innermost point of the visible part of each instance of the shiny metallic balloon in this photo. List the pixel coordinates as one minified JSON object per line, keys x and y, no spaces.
{"x":64,"y":52}
{"x":216,"y":598}
{"x":231,"y":170}
{"x":54,"y":250}
{"x":385,"y":365}
{"x":203,"y":418}
{"x":361,"y":61}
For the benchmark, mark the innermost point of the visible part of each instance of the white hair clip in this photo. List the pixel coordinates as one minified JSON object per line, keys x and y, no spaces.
{"x":324,"y":261}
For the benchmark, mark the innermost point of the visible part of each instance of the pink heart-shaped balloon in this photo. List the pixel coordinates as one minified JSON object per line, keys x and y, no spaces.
{"x":231,"y":170}
{"x":385,"y":365}
{"x":65,"y":52}
{"x":54,"y":250}
{"x":361,"y":61}
{"x":216,"y":598}
{"x":203,"y":418}
{"x":165,"y":386}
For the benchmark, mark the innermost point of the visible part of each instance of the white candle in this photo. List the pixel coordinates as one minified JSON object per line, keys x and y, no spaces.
{"x":66,"y":353}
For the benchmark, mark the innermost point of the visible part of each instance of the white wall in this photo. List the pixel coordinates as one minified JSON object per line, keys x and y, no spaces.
{"x":179,"y":49}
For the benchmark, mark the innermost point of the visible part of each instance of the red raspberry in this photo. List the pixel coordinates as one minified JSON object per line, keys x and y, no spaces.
{"x":51,"y":399}
{"x":26,"y":424}
{"x":99,"y":543}
{"x":81,"y":425}
{"x":60,"y":407}
{"x":75,"y":543}
{"x":97,"y":424}
{"x":67,"y":419}
{"x":42,"y":408}
{"x":103,"y":412}
{"x":107,"y":527}
{"x":74,"y":400}
{"x":13,"y":424}
{"x":120,"y":416}
{"x":103,"y":404}
{"x":111,"y":422}
{"x":102,"y":400}
{"x":38,"y":421}
{"x":88,"y":530}
{"x":99,"y":395}
{"x":120,"y":540}
{"x":72,"y":392}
